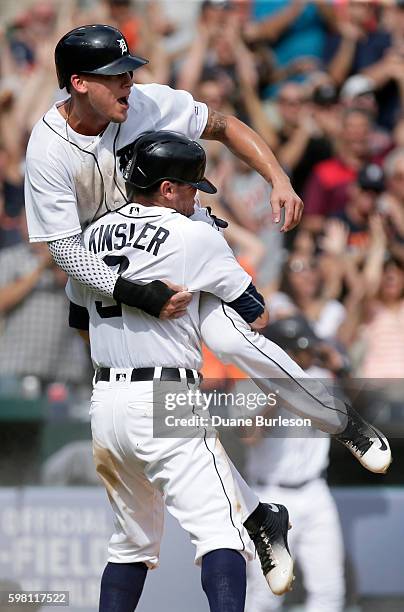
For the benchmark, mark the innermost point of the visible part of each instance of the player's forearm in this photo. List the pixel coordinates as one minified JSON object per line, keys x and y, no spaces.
{"x":246,"y":144}
{"x":153,"y":298}
{"x":83,"y":266}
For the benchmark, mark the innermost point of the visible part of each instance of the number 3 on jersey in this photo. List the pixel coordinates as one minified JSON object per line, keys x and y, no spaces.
{"x":108,"y":312}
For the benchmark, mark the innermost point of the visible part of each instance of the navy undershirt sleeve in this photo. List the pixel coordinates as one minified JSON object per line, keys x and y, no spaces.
{"x":250,"y":305}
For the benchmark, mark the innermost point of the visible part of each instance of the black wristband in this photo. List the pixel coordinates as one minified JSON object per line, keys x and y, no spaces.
{"x":150,"y":297}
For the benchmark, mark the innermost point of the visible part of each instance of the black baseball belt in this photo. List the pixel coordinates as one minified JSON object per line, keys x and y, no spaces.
{"x":143,"y":374}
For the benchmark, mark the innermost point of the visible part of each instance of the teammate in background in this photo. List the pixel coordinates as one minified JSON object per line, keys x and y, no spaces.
{"x":191,"y":472}
{"x":297,"y":478}
{"x":71,"y":170}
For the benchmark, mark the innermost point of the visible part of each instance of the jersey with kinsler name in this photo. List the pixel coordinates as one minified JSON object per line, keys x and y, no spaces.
{"x":145,"y":244}
{"x":72,"y":179}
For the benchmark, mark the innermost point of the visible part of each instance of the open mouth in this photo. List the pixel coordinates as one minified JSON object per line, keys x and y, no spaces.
{"x":123,"y":101}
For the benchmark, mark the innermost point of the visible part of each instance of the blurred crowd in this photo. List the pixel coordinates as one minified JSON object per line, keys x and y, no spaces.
{"x":322,"y":82}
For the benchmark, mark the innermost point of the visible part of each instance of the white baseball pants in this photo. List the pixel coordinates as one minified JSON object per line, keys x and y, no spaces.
{"x":192,"y":476}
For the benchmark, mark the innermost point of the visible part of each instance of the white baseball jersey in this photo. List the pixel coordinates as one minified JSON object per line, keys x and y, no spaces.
{"x":293,"y":460}
{"x":145,"y":244}
{"x":72,"y":179}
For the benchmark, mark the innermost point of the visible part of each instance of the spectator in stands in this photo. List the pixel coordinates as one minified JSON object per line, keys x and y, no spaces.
{"x":362,"y":200}
{"x":308,"y":129}
{"x":213,"y":91}
{"x":11,"y":150}
{"x":358,"y":42}
{"x":11,"y":198}
{"x":304,"y":290}
{"x":246,"y":194}
{"x":175,"y":21}
{"x":122,"y":16}
{"x":36,"y":339}
{"x":219,"y":50}
{"x":359,"y":91}
{"x":387,"y":73}
{"x":381,"y":335}
{"x":20,"y":44}
{"x":391,"y":204}
{"x":326,"y":190}
{"x":215,"y":11}
{"x":295,"y":30}
{"x":361,"y":46}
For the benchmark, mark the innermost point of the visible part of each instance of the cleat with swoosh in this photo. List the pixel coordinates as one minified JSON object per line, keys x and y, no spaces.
{"x":366,"y":443}
{"x":271,"y":544}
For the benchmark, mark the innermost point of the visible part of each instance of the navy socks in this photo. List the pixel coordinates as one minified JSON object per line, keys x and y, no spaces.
{"x":122,"y":586}
{"x":224,"y":580}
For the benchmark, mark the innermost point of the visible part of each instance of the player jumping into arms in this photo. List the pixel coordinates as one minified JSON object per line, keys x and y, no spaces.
{"x":72,"y":179}
{"x":148,"y":239}
{"x":71,"y":174}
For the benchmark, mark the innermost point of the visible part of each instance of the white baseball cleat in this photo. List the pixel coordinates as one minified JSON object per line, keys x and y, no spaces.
{"x":366,"y":443}
{"x":271,"y":543}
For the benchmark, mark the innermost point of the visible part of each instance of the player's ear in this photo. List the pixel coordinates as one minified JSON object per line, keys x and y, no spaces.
{"x":167,"y":189}
{"x":79,"y":83}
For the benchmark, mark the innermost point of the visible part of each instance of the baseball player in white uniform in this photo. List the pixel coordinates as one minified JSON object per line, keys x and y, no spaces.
{"x":190,"y":471}
{"x":297,"y":479}
{"x":72,"y":179}
{"x":71,"y":161}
